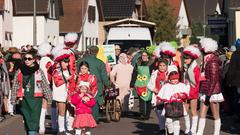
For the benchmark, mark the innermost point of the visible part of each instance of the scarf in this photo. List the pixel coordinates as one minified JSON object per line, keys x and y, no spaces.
{"x":26,"y":70}
{"x":160,"y":80}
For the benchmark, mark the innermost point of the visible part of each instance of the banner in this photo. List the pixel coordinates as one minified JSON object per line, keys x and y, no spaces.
{"x":109,"y":52}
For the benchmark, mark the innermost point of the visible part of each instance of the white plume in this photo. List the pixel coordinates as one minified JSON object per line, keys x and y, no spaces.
{"x":209,"y":45}
{"x":44,"y":49}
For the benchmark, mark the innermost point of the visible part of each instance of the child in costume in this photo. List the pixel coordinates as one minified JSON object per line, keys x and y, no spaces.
{"x":173,"y":93}
{"x":157,"y":80}
{"x":192,"y":79}
{"x":83,"y":102}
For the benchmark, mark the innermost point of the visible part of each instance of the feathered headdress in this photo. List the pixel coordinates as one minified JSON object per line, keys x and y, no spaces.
{"x":167,"y":49}
{"x":208,"y":45}
{"x":192,"y":51}
{"x":44,"y":49}
{"x":60,"y":53}
{"x":70,"y":39}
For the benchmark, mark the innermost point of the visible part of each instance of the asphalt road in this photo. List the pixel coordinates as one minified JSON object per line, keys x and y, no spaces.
{"x":126,"y":126}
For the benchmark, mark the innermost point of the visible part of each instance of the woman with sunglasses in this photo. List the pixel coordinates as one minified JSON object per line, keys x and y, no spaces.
{"x":30,"y":87}
{"x":63,"y":85}
{"x":191,"y":78}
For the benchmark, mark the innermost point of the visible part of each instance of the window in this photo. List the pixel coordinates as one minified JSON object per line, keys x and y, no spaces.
{"x":6,"y":36}
{"x":93,"y":43}
{"x":91,"y":14}
{"x":96,"y":41}
{"x":52,"y":9}
{"x":86,"y":41}
{"x":90,"y":41}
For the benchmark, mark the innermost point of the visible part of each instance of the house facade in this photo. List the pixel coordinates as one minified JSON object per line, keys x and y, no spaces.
{"x":47,"y":22}
{"x":81,"y":17}
{"x":6,"y":25}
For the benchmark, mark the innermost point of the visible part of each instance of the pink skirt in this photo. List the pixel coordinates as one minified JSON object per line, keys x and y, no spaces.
{"x":84,"y":121}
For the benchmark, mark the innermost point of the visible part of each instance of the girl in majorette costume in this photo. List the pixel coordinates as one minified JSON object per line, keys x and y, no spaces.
{"x":83,"y":102}
{"x":173,"y":92}
{"x":30,"y":87}
{"x":63,"y":85}
{"x":44,"y":51}
{"x":192,"y":79}
{"x":210,"y":90}
{"x":70,"y":41}
{"x":167,"y":51}
{"x":157,"y":80}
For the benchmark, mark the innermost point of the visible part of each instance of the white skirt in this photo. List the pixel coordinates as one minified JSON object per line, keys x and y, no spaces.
{"x":60,"y":93}
{"x":214,"y":98}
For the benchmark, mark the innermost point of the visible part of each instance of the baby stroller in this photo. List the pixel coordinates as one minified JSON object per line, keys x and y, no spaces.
{"x":113,"y":106}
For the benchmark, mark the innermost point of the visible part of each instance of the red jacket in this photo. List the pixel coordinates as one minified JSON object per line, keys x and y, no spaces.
{"x":92,"y":81}
{"x":211,"y":85}
{"x":82,"y":107}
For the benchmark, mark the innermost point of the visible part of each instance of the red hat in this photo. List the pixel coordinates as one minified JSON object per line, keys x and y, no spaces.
{"x":174,"y":75}
{"x":60,"y":53}
{"x":167,"y":49}
{"x":192,"y":51}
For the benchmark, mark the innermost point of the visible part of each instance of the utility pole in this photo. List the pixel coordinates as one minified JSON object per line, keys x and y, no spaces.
{"x":34,"y":24}
{"x":204,"y":18}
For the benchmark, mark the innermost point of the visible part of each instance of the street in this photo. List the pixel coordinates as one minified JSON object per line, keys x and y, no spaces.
{"x":130,"y":125}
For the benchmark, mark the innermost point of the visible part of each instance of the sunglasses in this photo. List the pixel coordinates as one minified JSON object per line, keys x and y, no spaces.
{"x":66,"y":60}
{"x":29,"y":59}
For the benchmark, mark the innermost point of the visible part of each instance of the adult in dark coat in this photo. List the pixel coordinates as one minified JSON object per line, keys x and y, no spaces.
{"x":233,"y":78}
{"x":97,"y":68}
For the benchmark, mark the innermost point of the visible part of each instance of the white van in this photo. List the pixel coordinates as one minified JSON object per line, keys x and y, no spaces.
{"x":127,"y":37}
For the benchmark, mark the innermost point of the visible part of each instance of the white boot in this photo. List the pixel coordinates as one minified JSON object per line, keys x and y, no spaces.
{"x":69,"y":121}
{"x":88,"y":132}
{"x":42,"y":121}
{"x":169,"y":125}
{"x":217,"y":127}
{"x":187,"y":124}
{"x":176,"y":127}
{"x":194,"y":125}
{"x":78,"y":131}
{"x":61,"y":123}
{"x":201,"y":126}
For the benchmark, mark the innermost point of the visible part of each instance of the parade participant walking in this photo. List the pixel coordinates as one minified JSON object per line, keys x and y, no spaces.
{"x":173,"y":94}
{"x":45,"y":63}
{"x":121,"y":75}
{"x":97,"y":68}
{"x":83,"y":102}
{"x":70,"y":41}
{"x":158,"y":79}
{"x":30,"y":87}
{"x":192,"y":79}
{"x":140,"y":78}
{"x":63,"y":85}
{"x":210,"y":89}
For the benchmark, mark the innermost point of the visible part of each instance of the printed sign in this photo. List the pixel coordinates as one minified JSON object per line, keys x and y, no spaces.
{"x":109,"y":52}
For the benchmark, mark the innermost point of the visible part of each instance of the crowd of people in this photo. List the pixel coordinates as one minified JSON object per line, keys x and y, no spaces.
{"x":170,"y":80}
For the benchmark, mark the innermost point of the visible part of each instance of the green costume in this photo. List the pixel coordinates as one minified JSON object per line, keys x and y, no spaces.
{"x":97,"y":68}
{"x":30,"y":106}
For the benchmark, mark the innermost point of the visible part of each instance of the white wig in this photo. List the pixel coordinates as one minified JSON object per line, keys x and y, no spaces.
{"x":44,"y":49}
{"x":209,"y":45}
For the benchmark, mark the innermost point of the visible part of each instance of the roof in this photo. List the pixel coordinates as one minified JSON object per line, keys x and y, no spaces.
{"x":23,"y":7}
{"x":195,"y":9}
{"x":130,"y":21}
{"x":118,"y":9}
{"x":2,"y":4}
{"x":73,"y":15}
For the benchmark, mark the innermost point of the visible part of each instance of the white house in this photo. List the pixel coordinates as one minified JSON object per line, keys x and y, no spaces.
{"x":6,"y":30}
{"x":82,"y":17}
{"x":48,"y":12}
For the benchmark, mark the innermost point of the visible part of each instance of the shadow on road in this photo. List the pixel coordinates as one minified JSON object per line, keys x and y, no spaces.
{"x":230,"y":124}
{"x":146,"y":128}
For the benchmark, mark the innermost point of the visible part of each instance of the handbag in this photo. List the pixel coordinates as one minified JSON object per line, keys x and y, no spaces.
{"x":173,"y":109}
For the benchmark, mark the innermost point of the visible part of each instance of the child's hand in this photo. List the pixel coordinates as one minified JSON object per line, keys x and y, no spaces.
{"x":85,"y":99}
